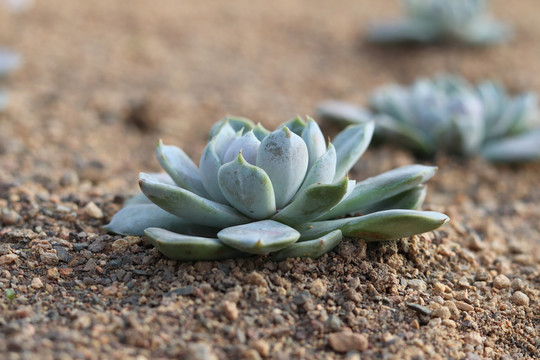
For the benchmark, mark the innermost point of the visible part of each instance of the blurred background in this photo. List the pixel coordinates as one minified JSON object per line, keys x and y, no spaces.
{"x":103,"y":80}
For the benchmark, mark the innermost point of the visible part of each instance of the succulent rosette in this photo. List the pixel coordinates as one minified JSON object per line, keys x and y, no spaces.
{"x":429,"y":21}
{"x":284,"y":192}
{"x":449,"y":114}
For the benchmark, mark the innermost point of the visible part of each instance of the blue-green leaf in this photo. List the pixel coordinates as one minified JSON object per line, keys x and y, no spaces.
{"x":382,"y":225}
{"x":310,"y":249}
{"x":521,"y":148}
{"x":248,"y":145}
{"x":189,"y":248}
{"x":283,"y":156}
{"x":322,"y":171}
{"x":248,"y":188}
{"x":209,"y":164}
{"x":312,"y":202}
{"x":236,"y":123}
{"x":181,"y":168}
{"x":134,"y":219}
{"x":410,"y":199}
{"x":261,"y":237}
{"x":296,"y":125}
{"x":380,"y":187}
{"x":314,"y":139}
{"x":342,"y":112}
{"x":189,"y":206}
{"x":350,"y":145}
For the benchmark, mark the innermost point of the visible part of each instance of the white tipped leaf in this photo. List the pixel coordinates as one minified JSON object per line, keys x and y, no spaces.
{"x":248,"y":188}
{"x":310,"y":249}
{"x":189,"y":206}
{"x":189,"y":248}
{"x":283,"y":155}
{"x":180,"y":168}
{"x":261,"y":237}
{"x":312,"y":202}
{"x":382,"y":225}
{"x":350,"y":145}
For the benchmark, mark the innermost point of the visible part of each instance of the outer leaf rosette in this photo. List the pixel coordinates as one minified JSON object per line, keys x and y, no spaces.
{"x":449,"y":114}
{"x":429,"y":21}
{"x":261,"y":192}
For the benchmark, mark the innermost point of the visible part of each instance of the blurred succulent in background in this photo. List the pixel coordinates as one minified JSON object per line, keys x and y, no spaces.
{"x":8,"y":61}
{"x":434,"y":20}
{"x":17,"y":6}
{"x":447,"y":113}
{"x":284,"y":192}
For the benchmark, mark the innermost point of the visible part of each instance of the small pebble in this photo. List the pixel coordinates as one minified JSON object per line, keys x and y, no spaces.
{"x":49,"y":258}
{"x":417,"y":284}
{"x":262,"y":347}
{"x":53,"y":273}
{"x":520,"y":298}
{"x":92,"y":210}
{"x":36,"y":283}
{"x":318,"y":288}
{"x":345,"y":341}
{"x":230,"y":310}
{"x":120,"y":245}
{"x":501,"y":282}
{"x":441,"y":312}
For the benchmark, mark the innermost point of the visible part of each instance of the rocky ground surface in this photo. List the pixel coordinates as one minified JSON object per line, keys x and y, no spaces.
{"x":103,"y":80}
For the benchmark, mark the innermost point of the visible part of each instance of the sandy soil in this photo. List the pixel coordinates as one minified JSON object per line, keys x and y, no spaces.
{"x":103,"y":80}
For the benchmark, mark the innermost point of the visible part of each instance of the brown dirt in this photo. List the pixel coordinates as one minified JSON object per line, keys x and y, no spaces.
{"x":103,"y":80}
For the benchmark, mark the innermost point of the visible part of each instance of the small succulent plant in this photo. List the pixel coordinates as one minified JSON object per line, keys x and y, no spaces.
{"x":447,"y":113}
{"x":8,"y":61}
{"x":284,"y":192}
{"x":430,"y":21}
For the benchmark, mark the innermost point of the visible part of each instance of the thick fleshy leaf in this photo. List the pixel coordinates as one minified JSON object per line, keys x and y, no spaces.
{"x":9,"y":61}
{"x":322,"y":171}
{"x":382,"y":225}
{"x":342,"y":112}
{"x":261,"y":237}
{"x":237,"y":123}
{"x":139,"y":199}
{"x":248,"y":188}
{"x":283,"y":156}
{"x":260,"y":132}
{"x":404,"y":31}
{"x":248,"y":145}
{"x":189,"y":248}
{"x":310,"y":249}
{"x":350,"y":145}
{"x":180,"y":168}
{"x":189,"y":206}
{"x":524,"y":112}
{"x":222,"y":138}
{"x":134,"y":219}
{"x":314,"y":139}
{"x":380,"y":187}
{"x":296,"y":125}
{"x":404,"y":133}
{"x":411,"y":199}
{"x":483,"y":31}
{"x":521,"y":148}
{"x":312,"y":202}
{"x":209,"y":166}
{"x":394,"y":101}
{"x":467,"y":118}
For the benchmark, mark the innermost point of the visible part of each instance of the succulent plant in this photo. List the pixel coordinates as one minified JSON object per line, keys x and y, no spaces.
{"x":284,"y":192}
{"x":434,"y":20}
{"x":447,"y":113}
{"x":8,"y":62}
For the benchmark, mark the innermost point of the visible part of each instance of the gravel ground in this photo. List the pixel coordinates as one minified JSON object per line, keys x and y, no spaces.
{"x":103,"y":81}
